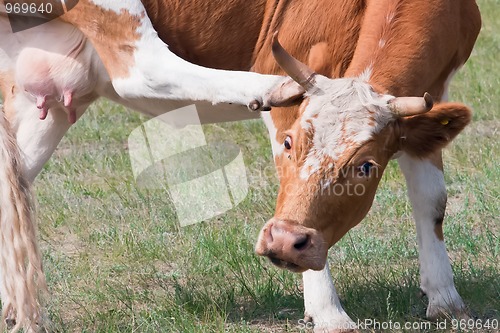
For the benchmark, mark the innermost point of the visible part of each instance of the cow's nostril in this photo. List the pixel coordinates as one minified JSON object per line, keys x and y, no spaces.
{"x":302,"y":242}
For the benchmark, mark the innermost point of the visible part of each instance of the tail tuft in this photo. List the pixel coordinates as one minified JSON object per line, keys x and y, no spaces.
{"x":22,"y":276}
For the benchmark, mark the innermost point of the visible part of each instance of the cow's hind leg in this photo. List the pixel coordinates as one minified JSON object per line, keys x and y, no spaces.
{"x":145,"y":69}
{"x":427,"y":192}
{"x":322,"y":304}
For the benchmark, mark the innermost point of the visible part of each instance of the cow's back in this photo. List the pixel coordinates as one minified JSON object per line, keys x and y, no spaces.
{"x":236,"y":34}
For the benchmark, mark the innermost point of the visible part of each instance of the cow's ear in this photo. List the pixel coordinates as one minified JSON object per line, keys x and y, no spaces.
{"x":424,"y":134}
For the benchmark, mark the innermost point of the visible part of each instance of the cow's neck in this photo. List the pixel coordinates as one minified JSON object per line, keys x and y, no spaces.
{"x":397,"y":47}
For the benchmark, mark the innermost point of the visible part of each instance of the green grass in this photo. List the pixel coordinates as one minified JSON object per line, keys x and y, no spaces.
{"x":117,"y":261}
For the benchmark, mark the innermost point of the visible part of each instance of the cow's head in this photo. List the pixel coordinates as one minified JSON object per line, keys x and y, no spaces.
{"x":334,"y":155}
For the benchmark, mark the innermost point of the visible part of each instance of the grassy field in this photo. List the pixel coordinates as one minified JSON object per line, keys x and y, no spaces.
{"x":117,"y":260}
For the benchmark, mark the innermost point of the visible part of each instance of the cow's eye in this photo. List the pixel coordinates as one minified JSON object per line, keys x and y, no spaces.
{"x":366,"y":168}
{"x":288,"y":142}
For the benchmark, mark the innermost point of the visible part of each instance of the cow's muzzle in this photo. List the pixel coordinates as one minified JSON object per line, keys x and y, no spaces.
{"x":292,"y":246}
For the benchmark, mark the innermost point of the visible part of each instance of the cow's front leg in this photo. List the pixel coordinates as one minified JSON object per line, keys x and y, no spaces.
{"x":427,"y":192}
{"x":141,"y":66}
{"x":322,"y":304}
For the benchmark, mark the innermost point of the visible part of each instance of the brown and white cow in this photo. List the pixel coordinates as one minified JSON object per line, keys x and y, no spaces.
{"x":345,"y":130}
{"x":332,"y":153}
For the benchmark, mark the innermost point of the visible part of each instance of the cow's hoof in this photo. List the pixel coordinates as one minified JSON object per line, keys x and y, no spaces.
{"x":308,"y":319}
{"x":436,"y":312}
{"x":335,"y":330}
{"x":447,"y":308}
{"x":10,"y":323}
{"x":446,"y":303}
{"x":336,"y":324}
{"x":258,"y":105}
{"x":346,"y":327}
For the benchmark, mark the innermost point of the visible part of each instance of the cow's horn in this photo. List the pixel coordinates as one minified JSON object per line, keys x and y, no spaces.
{"x":410,"y":106}
{"x":298,"y":71}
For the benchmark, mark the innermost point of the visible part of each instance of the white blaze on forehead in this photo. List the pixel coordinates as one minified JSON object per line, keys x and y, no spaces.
{"x":342,"y":114}
{"x":311,"y":165}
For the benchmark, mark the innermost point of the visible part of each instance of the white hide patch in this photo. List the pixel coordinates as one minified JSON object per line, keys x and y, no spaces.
{"x":133,"y":7}
{"x":147,"y":79}
{"x":341,"y":114}
{"x":311,"y":165}
{"x":277,"y":147}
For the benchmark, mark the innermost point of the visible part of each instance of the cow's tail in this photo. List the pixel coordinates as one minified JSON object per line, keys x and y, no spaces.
{"x":22,"y":277}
